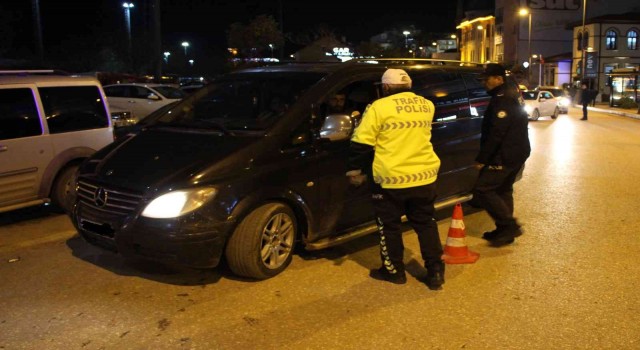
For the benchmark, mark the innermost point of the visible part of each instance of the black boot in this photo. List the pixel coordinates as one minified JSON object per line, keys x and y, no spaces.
{"x":435,"y":274}
{"x":382,"y":274}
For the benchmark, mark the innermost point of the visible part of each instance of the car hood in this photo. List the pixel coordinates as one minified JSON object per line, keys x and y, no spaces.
{"x":163,"y":159}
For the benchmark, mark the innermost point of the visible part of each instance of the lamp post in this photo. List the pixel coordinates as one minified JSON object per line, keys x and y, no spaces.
{"x":271,"y":47}
{"x":185,"y":44}
{"x":406,"y":38}
{"x":127,"y":17}
{"x":582,"y":43}
{"x":166,"y":57}
{"x":527,"y":12}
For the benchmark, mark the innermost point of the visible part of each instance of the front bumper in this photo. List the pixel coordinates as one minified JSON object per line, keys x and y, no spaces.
{"x":191,"y":240}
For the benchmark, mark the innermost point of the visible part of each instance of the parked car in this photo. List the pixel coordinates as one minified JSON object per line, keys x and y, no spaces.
{"x":49,"y":124}
{"x":252,"y":165}
{"x":562,"y":97}
{"x":540,"y":103}
{"x":121,"y":117}
{"x":141,"y":99}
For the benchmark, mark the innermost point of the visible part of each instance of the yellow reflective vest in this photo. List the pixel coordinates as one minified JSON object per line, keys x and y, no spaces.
{"x":399,"y":129}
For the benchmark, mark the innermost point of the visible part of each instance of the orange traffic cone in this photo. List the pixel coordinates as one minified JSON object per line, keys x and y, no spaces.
{"x":455,"y":250}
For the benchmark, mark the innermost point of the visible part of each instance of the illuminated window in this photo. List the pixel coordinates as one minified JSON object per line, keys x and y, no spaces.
{"x":611,"y":40}
{"x":632,"y":40}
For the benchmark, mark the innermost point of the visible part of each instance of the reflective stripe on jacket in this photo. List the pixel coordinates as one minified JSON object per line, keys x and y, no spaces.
{"x":399,"y":129}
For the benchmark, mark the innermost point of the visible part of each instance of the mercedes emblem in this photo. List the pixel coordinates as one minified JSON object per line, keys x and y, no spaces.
{"x":100,"y":197}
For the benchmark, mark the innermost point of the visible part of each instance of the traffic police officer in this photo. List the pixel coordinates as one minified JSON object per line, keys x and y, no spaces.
{"x":504,"y":148}
{"x":397,"y":129}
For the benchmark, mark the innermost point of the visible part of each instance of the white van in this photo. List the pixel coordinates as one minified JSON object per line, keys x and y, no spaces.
{"x":49,"y":124}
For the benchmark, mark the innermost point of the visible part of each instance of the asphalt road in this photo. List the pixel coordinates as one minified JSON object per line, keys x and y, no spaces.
{"x":570,"y":282}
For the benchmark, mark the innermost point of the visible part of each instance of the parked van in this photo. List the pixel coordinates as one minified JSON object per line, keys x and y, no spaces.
{"x":49,"y":124}
{"x":252,"y":165}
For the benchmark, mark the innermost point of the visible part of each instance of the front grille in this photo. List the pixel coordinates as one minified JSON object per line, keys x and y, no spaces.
{"x":106,"y":199}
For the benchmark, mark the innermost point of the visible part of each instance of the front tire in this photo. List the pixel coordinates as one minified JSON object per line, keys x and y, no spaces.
{"x":535,"y":115}
{"x":556,"y":113}
{"x":262,"y":244}
{"x":61,"y":189}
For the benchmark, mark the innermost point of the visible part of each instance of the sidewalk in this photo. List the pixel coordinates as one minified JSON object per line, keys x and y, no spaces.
{"x":604,"y":108}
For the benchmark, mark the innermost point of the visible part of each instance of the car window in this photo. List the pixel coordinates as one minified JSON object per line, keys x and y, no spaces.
{"x":446,"y":90}
{"x":547,"y":95}
{"x":529,"y":95}
{"x":478,"y":95}
{"x":242,"y":102}
{"x":18,"y":114}
{"x":115,"y":91}
{"x":170,"y":92}
{"x":140,"y":92}
{"x":73,"y":108}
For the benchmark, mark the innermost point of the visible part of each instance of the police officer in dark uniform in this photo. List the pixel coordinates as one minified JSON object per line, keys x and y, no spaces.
{"x":504,"y":148}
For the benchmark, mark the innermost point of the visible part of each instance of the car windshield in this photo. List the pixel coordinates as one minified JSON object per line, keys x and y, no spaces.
{"x":529,"y":95}
{"x":556,"y":92}
{"x":239,"y":102}
{"x":170,"y":92}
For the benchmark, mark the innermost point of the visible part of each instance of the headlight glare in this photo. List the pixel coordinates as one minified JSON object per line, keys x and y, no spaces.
{"x":528,"y":109}
{"x":177,"y":203}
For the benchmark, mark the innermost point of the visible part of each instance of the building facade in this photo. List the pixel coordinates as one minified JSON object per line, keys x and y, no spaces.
{"x":604,"y":44}
{"x":544,"y":32}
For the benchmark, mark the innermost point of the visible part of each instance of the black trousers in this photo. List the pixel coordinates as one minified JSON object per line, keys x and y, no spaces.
{"x":584,"y":110}
{"x":417,"y":204}
{"x":494,"y":192}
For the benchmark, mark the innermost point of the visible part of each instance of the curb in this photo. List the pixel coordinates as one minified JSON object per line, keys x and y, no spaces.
{"x":620,"y":113}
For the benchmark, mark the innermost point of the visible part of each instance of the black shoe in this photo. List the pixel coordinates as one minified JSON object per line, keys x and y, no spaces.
{"x":505,"y":237}
{"x":382,"y":274}
{"x":489,"y":235}
{"x":435,"y":275}
{"x":583,"y":119}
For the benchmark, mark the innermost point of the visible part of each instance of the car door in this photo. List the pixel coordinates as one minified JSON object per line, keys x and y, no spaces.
{"x":455,"y":134}
{"x":343,"y":205}
{"x":25,"y":146}
{"x":547,"y":103}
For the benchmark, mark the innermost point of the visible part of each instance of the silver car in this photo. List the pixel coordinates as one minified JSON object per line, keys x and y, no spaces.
{"x":141,"y":99}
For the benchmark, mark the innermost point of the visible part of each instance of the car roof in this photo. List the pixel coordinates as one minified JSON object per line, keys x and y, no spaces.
{"x":44,"y":77}
{"x":151,"y":85}
{"x":364,"y":65}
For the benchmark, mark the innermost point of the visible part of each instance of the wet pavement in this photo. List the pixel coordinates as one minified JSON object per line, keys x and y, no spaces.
{"x":571,"y":281}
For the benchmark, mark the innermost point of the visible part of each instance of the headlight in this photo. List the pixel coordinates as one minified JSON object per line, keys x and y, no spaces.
{"x":564,"y":102}
{"x":177,"y":203}
{"x":528,"y":109}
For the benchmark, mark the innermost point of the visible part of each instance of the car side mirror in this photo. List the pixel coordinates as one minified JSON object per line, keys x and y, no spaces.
{"x":336,"y":127}
{"x":153,"y":96}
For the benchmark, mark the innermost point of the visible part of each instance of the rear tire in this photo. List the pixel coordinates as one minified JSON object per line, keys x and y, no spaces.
{"x":61,"y":188}
{"x":262,"y":244}
{"x":556,"y":113}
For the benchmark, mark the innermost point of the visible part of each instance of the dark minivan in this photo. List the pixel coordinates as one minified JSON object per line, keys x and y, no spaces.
{"x":253,"y":164}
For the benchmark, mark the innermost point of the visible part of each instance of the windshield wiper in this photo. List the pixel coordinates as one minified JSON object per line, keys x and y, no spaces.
{"x":200,"y":124}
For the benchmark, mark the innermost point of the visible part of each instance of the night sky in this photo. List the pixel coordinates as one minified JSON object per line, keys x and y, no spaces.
{"x":209,"y":19}
{"x":91,"y":24}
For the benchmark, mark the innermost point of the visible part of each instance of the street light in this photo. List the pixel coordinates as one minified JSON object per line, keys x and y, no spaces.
{"x":191,"y":63}
{"x":455,"y":37}
{"x":583,"y":44}
{"x":166,"y":56}
{"x":525,"y":12}
{"x":406,"y":38}
{"x":127,"y":17}
{"x":185,"y":44}
{"x":271,"y":47}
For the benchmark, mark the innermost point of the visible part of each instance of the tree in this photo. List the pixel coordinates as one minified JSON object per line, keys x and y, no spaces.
{"x":253,"y":39}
